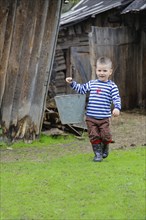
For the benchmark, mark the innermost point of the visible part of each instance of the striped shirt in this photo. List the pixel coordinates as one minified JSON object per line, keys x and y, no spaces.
{"x":102,"y":95}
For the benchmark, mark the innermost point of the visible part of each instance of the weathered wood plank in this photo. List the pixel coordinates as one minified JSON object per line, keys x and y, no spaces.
{"x":60,"y":78}
{"x":60,"y":62}
{"x":60,"y":67}
{"x":46,"y":60}
{"x":70,"y":44}
{"x":61,"y":90}
{"x":81,"y":69}
{"x":6,"y":26}
{"x":59,"y":58}
{"x":21,"y":101}
{"x":13,"y":64}
{"x":3,"y":22}
{"x":34,"y":47}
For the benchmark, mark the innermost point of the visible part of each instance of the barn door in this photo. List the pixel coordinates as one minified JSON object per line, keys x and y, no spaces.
{"x":119,"y":44}
{"x":80,"y":64}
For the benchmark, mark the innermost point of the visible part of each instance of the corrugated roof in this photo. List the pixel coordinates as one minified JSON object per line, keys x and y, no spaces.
{"x":136,"y":6}
{"x":86,"y":8}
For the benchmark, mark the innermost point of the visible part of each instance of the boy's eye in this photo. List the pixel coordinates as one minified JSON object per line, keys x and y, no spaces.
{"x":102,"y":70}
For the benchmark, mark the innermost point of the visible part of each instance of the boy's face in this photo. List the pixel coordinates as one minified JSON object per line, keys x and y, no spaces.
{"x":103,"y":72}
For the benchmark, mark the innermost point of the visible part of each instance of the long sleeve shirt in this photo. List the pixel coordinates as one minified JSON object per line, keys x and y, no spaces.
{"x":101,"y":96}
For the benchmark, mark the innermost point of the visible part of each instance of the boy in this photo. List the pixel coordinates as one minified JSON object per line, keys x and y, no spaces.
{"x":103,"y":92}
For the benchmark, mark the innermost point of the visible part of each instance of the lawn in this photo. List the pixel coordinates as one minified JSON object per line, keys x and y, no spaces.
{"x":61,"y":182}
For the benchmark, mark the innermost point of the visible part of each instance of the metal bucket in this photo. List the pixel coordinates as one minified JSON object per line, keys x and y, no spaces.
{"x":71,"y":108}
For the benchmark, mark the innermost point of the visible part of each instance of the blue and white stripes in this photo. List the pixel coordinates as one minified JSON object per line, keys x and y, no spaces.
{"x":102,"y":95}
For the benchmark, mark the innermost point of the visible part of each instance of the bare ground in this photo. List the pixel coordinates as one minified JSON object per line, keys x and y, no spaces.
{"x":128,"y":130}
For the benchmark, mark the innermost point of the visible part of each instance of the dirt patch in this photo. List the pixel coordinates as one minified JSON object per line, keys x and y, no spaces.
{"x":128,"y":130}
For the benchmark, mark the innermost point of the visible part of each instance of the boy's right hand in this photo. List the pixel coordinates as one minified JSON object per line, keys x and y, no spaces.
{"x":69,"y":80}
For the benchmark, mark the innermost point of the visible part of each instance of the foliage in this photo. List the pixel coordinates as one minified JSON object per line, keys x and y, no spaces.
{"x":68,"y":186}
{"x":67,"y":7}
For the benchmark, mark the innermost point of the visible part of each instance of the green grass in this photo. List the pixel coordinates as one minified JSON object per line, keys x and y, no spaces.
{"x":42,"y":141}
{"x":72,"y":186}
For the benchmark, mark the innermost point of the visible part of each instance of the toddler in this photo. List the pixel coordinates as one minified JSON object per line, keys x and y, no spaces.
{"x":102,"y":93}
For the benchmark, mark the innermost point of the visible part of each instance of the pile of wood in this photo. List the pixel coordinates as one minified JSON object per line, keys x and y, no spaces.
{"x":57,"y":82}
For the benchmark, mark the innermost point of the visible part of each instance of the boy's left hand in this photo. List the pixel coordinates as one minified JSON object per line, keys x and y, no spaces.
{"x":116,"y":112}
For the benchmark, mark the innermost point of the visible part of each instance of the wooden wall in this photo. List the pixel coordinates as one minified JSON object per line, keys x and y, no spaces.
{"x":28,"y":33}
{"x":129,"y":57}
{"x":141,"y":79}
{"x":119,"y":44}
{"x":68,"y":38}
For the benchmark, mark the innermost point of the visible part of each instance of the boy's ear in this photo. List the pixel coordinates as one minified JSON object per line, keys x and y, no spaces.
{"x":111,"y":71}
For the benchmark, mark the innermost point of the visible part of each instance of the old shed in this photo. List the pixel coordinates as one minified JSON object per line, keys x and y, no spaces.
{"x":116,"y":28}
{"x":28,"y":34}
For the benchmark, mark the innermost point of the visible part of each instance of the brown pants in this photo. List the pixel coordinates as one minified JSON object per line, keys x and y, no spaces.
{"x":98,"y":130}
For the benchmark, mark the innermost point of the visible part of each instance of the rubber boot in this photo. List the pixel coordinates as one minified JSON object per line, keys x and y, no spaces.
{"x":105,"y":150}
{"x":97,"y":148}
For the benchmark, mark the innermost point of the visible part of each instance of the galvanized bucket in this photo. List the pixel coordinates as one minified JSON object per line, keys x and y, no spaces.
{"x":71,"y":108}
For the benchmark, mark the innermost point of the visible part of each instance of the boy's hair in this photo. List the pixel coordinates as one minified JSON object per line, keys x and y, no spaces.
{"x":105,"y":61}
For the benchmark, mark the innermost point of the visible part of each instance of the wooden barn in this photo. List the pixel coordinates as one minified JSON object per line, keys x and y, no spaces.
{"x":93,"y":28}
{"x":28,"y":35}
